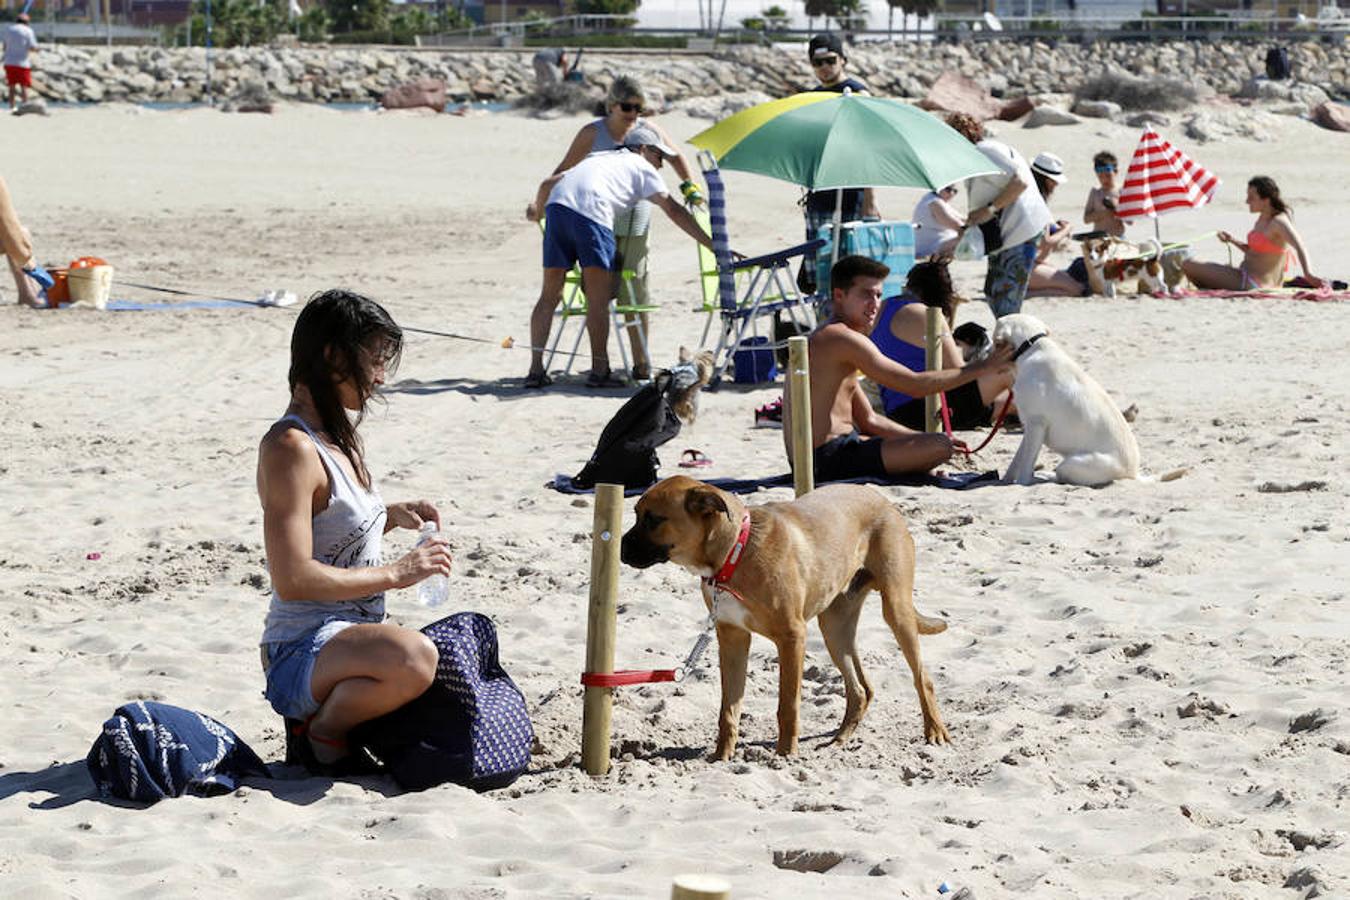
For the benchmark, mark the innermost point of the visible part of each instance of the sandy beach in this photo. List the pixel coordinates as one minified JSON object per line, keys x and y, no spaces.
{"x":1140,"y":681}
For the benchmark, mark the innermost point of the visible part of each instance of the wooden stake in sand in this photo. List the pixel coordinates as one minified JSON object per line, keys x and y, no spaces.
{"x":932,"y":361}
{"x":600,"y":625}
{"x":700,"y":887}
{"x":799,"y":397}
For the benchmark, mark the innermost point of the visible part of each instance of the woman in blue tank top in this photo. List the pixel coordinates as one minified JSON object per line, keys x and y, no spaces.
{"x":899,"y":335}
{"x":330,"y":659}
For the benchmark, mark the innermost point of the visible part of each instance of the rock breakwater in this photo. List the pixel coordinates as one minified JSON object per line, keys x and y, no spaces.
{"x":701,"y":83}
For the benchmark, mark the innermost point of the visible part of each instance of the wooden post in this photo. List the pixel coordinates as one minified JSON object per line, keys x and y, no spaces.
{"x":700,"y":887}
{"x":799,"y":397}
{"x":600,"y":616}
{"x":932,"y":361}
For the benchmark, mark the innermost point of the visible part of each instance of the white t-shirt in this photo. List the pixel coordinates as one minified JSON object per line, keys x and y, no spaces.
{"x":606,"y":183}
{"x":19,"y":39}
{"x":929,"y":232}
{"x":1028,"y":215}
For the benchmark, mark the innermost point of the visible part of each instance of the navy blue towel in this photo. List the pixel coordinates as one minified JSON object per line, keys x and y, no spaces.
{"x":957,"y":481}
{"x":149,"y":751}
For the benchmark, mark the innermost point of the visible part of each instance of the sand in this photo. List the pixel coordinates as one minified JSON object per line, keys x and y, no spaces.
{"x":1141,"y":681}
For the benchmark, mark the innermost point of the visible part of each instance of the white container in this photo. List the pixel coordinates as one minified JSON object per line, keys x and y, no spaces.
{"x":90,"y":286}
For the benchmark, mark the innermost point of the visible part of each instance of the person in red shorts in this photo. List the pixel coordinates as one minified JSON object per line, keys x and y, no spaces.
{"x":19,"y":43}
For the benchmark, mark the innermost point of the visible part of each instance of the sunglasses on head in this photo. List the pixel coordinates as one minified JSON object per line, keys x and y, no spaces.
{"x":631,"y":107}
{"x":824,"y":61}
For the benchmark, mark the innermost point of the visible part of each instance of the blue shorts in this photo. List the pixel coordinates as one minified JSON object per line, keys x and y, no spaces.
{"x":570,"y":237}
{"x":290,"y":669}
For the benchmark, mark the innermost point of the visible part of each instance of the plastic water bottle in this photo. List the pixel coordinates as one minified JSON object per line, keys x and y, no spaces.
{"x":434,"y":589}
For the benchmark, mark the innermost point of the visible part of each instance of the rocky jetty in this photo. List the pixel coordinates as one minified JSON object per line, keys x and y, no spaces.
{"x":704,"y":84}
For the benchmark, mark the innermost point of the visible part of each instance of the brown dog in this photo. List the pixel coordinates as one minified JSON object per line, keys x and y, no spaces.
{"x":816,"y":557}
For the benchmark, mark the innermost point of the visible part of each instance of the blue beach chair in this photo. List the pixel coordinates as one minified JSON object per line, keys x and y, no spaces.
{"x":768,"y":285}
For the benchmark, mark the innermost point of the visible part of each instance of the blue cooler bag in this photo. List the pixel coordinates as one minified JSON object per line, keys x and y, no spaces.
{"x":891,"y":243}
{"x":754,"y":361}
{"x":470,"y":727}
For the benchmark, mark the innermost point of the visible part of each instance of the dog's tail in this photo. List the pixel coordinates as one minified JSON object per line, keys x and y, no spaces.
{"x":930,"y":625}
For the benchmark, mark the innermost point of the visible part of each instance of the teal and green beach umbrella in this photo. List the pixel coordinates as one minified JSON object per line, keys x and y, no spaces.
{"x":823,"y":140}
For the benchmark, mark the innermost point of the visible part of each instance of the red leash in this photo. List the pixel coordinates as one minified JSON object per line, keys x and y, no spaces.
{"x":626,"y":677}
{"x":716,"y":582}
{"x":998,"y":423}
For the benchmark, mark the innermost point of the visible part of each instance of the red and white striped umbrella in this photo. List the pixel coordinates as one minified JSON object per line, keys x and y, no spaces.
{"x":1162,"y":178}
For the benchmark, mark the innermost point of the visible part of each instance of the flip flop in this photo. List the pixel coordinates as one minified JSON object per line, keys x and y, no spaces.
{"x":536,"y":380}
{"x":694,"y":459}
{"x":607,"y":380}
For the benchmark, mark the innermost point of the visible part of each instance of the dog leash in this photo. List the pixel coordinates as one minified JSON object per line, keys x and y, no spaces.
{"x":998,"y":423}
{"x":717,"y":583}
{"x":626,"y":677}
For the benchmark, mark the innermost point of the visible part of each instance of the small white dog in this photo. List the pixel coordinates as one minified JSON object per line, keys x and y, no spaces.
{"x":1063,"y":408}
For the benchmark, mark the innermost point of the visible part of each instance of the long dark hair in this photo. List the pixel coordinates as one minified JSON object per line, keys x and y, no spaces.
{"x":341,"y":335}
{"x":1267,"y":189}
{"x":932,"y":284}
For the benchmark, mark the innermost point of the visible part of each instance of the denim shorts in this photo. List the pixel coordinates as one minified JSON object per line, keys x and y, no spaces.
{"x":290,"y":668}
{"x":570,"y":237}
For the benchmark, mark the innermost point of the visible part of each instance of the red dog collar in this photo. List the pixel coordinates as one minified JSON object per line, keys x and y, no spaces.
{"x":734,"y":557}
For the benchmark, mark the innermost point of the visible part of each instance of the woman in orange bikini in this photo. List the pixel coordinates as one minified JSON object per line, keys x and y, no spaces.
{"x":1266,"y":252}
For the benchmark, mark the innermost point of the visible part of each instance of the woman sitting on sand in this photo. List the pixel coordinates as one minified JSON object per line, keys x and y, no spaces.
{"x":1266,"y":251}
{"x":1046,"y":281}
{"x":899,"y":334}
{"x":331,"y":661}
{"x":624,"y":108}
{"x":937,"y":224}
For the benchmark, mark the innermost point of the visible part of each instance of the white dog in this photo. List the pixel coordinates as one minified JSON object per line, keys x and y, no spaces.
{"x":1063,"y":408}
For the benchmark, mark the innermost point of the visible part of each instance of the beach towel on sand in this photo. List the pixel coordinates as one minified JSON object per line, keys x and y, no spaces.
{"x":957,"y":481}
{"x":149,"y":751}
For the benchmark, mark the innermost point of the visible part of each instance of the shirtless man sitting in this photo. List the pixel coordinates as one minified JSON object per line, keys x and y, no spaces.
{"x":850,"y":439}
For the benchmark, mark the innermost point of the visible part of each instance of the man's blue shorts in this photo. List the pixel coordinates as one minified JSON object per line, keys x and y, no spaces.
{"x":570,"y":237}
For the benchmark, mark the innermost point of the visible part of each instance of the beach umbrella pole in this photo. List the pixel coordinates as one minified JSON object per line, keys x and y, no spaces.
{"x":836,"y":237}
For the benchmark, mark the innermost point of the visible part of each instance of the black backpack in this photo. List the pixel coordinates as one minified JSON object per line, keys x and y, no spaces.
{"x":470,"y":727}
{"x":626,"y":451}
{"x":1277,"y":63}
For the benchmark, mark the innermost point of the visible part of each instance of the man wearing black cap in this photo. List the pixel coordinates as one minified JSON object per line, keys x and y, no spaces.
{"x":826,"y":52}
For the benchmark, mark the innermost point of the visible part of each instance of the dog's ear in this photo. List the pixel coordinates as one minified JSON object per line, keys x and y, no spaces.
{"x":705,"y":501}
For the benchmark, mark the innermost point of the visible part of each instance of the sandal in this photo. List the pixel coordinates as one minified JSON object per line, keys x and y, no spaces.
{"x":300,"y":752}
{"x":606,"y":379}
{"x":536,"y":380}
{"x":641,"y":373}
{"x":694,"y":459}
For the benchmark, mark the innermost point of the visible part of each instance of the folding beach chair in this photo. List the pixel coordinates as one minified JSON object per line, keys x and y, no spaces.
{"x":769,"y":287}
{"x":625,"y":315}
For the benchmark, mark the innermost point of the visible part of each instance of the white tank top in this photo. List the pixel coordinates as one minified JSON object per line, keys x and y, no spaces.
{"x":347,"y":534}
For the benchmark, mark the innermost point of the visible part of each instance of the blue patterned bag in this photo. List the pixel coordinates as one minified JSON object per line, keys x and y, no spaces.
{"x":470,"y":727}
{"x":149,"y":751}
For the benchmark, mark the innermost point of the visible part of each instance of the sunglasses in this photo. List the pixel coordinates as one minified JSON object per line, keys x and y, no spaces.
{"x":824,"y":61}
{"x":630,"y":107}
{"x":1103,"y":168}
